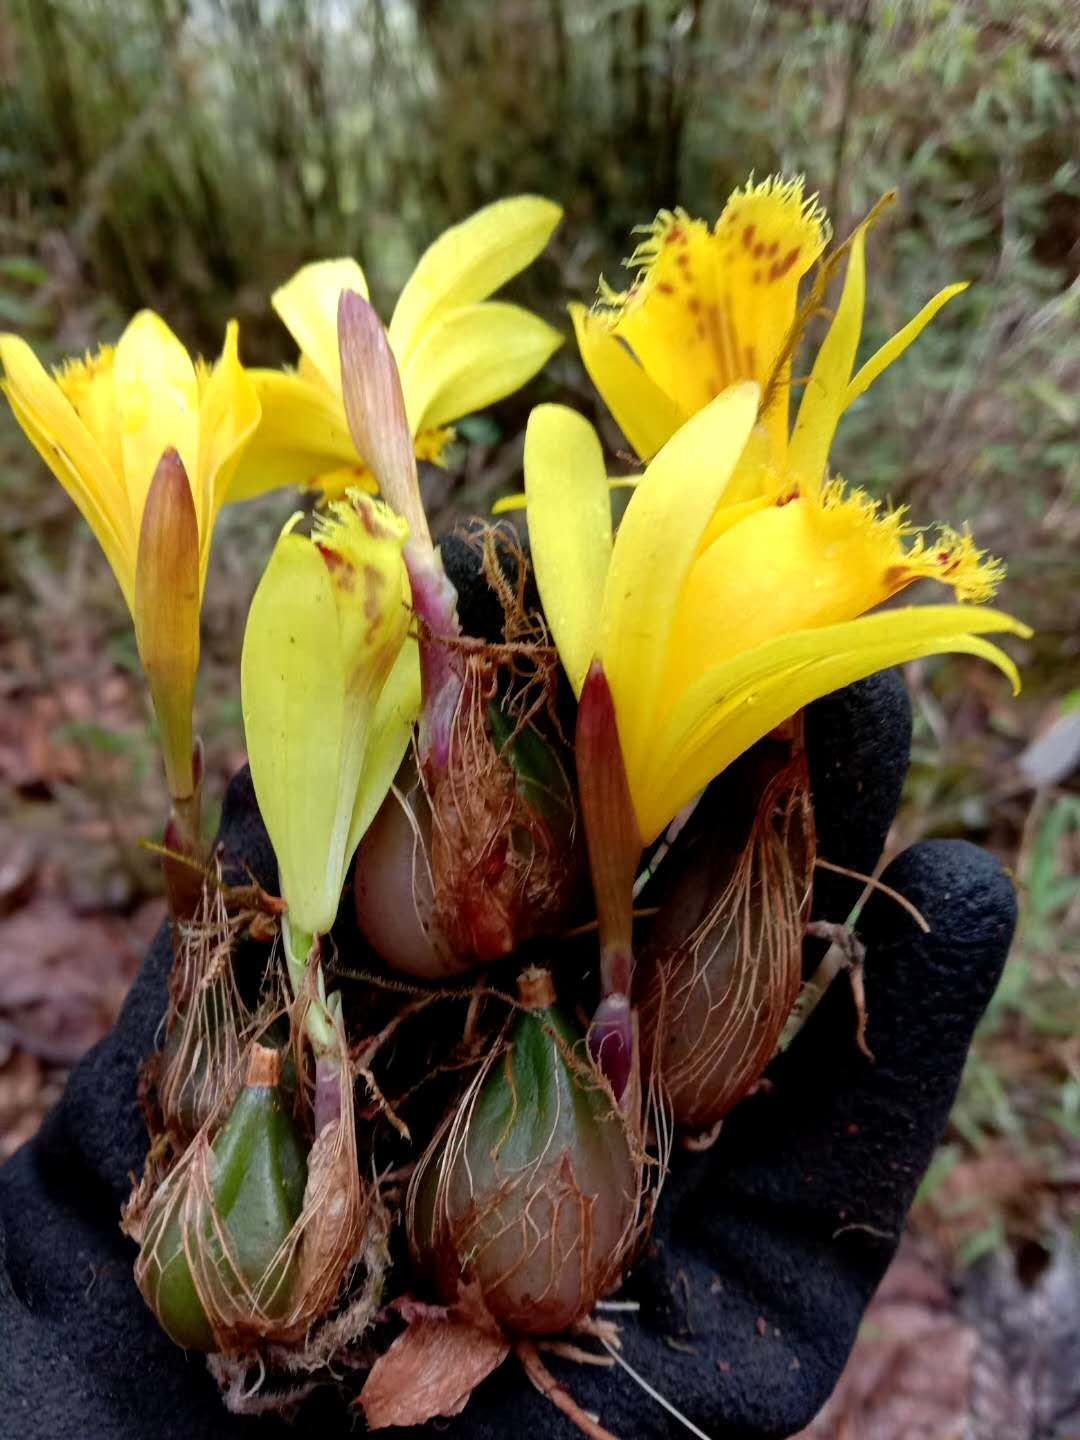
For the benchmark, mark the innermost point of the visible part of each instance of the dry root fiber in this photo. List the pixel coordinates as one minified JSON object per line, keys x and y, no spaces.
{"x":501,"y":843}
{"x":716,"y":1000}
{"x":207,"y":1025}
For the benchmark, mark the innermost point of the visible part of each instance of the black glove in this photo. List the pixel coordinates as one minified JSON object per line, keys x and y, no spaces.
{"x":766,"y":1248}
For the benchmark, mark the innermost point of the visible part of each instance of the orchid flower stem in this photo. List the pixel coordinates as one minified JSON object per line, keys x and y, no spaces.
{"x":616,"y":969}
{"x":187,"y":813}
{"x":300,"y":949}
{"x":319,"y":1023}
{"x":442,"y":668}
{"x":184,"y":851}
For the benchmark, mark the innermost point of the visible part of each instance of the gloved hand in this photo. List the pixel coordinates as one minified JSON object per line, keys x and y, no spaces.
{"x":766,"y":1248}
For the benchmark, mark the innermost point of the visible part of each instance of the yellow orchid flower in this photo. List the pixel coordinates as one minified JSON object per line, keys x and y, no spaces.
{"x":714,"y":305}
{"x":330,"y":690}
{"x":714,"y":623}
{"x":146,"y":443}
{"x":457,"y":351}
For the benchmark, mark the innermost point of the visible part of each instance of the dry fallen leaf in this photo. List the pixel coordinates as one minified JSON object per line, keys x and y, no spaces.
{"x":430,"y":1370}
{"x":909,"y":1376}
{"x":63,"y":977}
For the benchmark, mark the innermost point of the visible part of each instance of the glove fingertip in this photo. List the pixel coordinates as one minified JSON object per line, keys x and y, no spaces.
{"x":858,"y":744}
{"x":968,"y":900}
{"x":242,"y":837}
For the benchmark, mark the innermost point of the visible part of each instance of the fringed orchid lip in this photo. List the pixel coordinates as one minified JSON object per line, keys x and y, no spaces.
{"x":713,"y":305}
{"x":707,"y":647}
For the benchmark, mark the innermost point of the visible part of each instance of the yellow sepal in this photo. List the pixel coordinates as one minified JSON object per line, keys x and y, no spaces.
{"x":656,"y":544}
{"x":469,"y":262}
{"x":826,"y":390}
{"x":229,"y":415}
{"x":157,"y":396}
{"x":569,"y":510}
{"x":308,"y":305}
{"x":471,"y":357}
{"x":645,"y":415}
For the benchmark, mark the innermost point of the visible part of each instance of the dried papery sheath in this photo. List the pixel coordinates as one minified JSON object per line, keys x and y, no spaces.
{"x":433,"y":1367}
{"x":503,"y":819}
{"x":461,"y":876}
{"x":332,"y":1230}
{"x":532,"y":1188}
{"x":724,"y":961}
{"x":207,"y":1023}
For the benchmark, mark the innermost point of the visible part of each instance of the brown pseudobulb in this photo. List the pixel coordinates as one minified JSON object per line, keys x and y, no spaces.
{"x":461,"y":874}
{"x":722,"y":966}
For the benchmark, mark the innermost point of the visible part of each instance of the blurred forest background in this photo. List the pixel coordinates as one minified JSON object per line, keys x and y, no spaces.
{"x":189,"y":154}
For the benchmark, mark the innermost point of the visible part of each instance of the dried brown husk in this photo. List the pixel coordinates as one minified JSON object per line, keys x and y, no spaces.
{"x":715,"y":1000}
{"x":207,"y":1025}
{"x":331,"y":1346}
{"x":533,"y":1188}
{"x":502,"y":871}
{"x":502,"y":845}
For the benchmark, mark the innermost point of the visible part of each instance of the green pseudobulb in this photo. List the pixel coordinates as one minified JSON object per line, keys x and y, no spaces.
{"x":258,"y":1175}
{"x":537,"y":1201}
